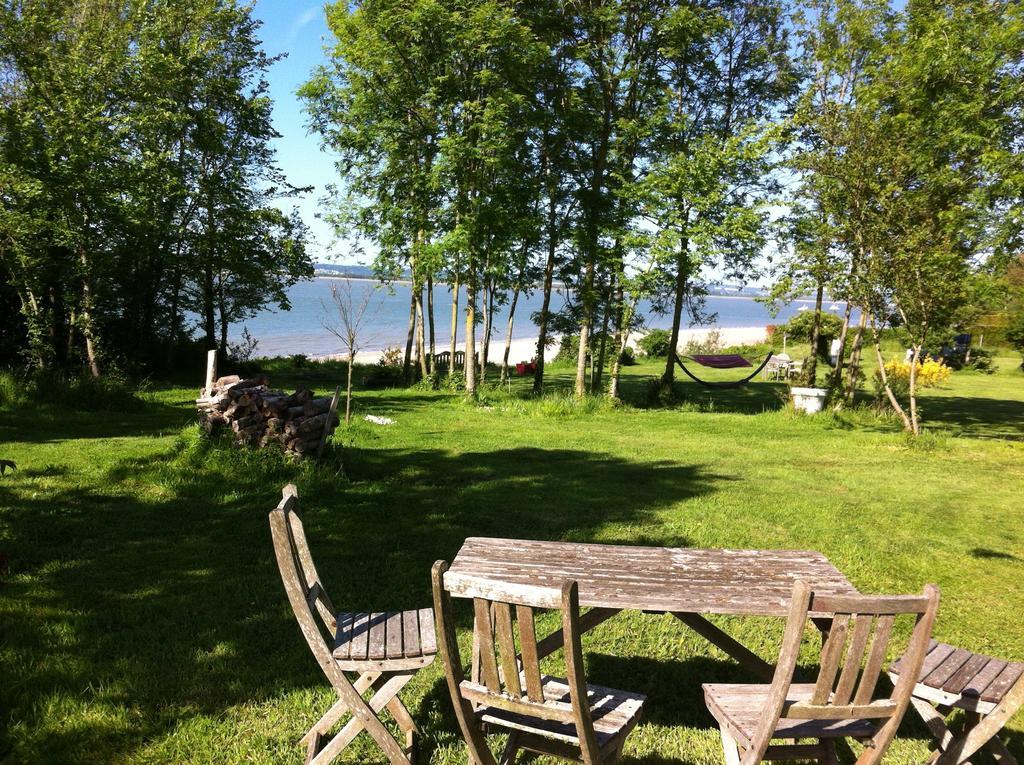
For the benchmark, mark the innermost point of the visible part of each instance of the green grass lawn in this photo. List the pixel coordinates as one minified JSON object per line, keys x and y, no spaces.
{"x":142,"y":619}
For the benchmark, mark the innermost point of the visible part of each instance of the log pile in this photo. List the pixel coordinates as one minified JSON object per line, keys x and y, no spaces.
{"x":260,"y":416}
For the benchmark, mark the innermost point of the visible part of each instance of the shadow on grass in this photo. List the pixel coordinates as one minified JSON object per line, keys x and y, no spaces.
{"x":976,"y":417}
{"x":52,"y":425}
{"x":986,"y":554}
{"x":138,"y":609}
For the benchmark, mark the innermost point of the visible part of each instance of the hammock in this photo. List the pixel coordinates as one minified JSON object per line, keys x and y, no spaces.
{"x":722,"y":361}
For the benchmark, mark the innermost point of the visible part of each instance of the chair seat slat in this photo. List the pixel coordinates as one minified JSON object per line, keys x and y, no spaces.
{"x":393,"y":636}
{"x":378,"y":636}
{"x":428,"y":636}
{"x":411,"y":633}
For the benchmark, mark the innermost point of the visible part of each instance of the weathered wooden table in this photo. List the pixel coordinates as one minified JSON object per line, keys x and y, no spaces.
{"x":684,"y":582}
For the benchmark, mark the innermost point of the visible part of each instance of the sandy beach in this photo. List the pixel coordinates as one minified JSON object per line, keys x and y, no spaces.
{"x":524,"y":349}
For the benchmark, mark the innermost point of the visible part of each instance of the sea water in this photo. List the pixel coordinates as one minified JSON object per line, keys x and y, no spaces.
{"x":303,"y":329}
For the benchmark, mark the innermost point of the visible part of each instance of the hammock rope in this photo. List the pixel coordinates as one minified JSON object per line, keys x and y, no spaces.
{"x":722,"y":362}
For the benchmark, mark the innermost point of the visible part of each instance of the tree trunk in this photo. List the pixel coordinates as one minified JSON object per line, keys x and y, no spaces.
{"x":430,"y":322}
{"x":621,"y":339}
{"x":488,"y":306}
{"x":222,"y":314}
{"x":836,"y":383}
{"x":545,"y":306}
{"x":348,"y":385}
{"x":907,"y":425}
{"x":508,"y":334}
{"x":586,"y":296}
{"x":58,"y":330}
{"x":470,"y":365}
{"x":407,"y":360}
{"x":597,"y":369}
{"x":455,"y":325}
{"x":854,"y":368}
{"x":88,"y":330}
{"x":420,"y":339}
{"x":915,"y":424}
{"x":209,"y":315}
{"x":810,"y":372}
{"x":175,"y":321}
{"x":682,"y":275}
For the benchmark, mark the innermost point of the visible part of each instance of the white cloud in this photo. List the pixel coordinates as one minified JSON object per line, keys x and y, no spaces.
{"x":299,"y":23}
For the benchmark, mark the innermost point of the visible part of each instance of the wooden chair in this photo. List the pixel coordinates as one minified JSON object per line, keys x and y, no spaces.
{"x":385,"y":649}
{"x":842,"y":702}
{"x":543,"y":714}
{"x":990,"y":691}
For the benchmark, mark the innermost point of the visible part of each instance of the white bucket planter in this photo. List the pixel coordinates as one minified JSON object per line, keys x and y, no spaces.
{"x":808,"y":400}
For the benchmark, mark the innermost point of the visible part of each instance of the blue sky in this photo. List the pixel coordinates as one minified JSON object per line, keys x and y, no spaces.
{"x":298,"y":29}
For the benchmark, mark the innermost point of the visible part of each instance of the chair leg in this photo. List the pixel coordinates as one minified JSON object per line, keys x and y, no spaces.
{"x":964,"y":747}
{"x":508,"y":756}
{"x":387,"y":691}
{"x":315,"y":742}
{"x":731,"y":748}
{"x":999,"y":751}
{"x":331,"y":716}
{"x":935,"y":721}
{"x":831,"y":755}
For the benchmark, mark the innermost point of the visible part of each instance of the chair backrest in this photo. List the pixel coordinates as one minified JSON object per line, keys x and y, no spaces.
{"x":312,"y":607}
{"x":510,"y":676}
{"x":858,"y":630}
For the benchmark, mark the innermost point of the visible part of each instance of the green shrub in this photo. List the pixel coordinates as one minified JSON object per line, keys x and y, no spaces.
{"x":455,"y":381}
{"x":799,"y":328}
{"x":655,"y":343}
{"x":568,"y":349}
{"x":628,"y":357}
{"x":46,"y":388}
{"x":1015,"y":333}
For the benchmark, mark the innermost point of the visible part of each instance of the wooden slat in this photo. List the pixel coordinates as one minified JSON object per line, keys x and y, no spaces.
{"x":393,"y":638}
{"x":941,"y":674}
{"x":428,"y":638}
{"x":959,"y":680}
{"x":360,"y":637}
{"x":344,"y":636}
{"x":831,"y":655}
{"x":488,"y":661}
{"x":528,"y":645}
{"x":507,"y":648}
{"x":559,"y":712}
{"x":977,"y":684}
{"x":854,"y":655}
{"x":935,"y":657}
{"x":378,"y":636}
{"x":411,"y":634}
{"x":876,"y":658}
{"x":1006,"y":680}
{"x":801,"y":710}
{"x":897,"y":666}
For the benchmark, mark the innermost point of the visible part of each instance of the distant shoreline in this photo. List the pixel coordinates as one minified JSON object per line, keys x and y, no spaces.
{"x":525,"y":348}
{"x":556,"y":285}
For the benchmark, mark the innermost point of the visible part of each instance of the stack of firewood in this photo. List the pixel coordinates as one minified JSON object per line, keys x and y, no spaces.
{"x":261,"y":416}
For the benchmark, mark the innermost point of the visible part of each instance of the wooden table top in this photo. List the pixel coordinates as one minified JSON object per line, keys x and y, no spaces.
{"x":747,"y":582}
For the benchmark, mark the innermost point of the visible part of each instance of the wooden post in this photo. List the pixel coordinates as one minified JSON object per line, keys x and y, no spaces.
{"x":330,"y":418}
{"x":211,"y":371}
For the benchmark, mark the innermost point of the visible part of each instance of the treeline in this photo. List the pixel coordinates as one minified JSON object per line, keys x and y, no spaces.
{"x":136,"y":181}
{"x":633,"y":148}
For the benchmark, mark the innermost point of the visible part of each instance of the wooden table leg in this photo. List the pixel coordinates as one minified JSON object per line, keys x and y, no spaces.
{"x":588,"y":621}
{"x":716,"y":637}
{"x":555,"y":640}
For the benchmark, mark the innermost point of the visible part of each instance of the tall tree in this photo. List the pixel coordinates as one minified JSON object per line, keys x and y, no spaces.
{"x":726,"y":71}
